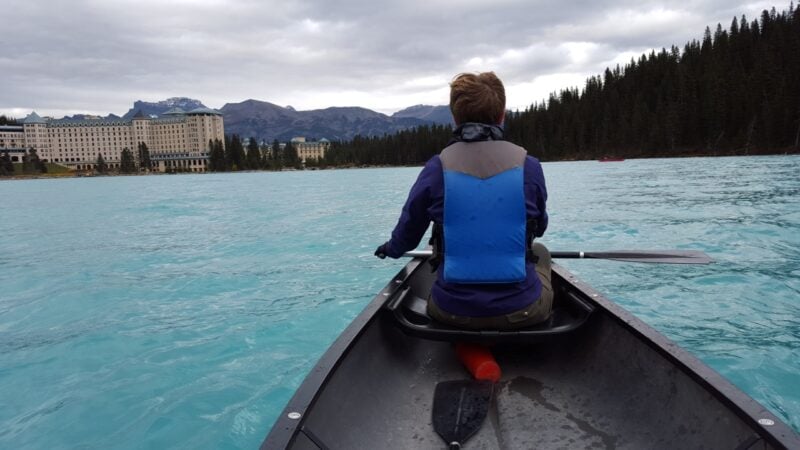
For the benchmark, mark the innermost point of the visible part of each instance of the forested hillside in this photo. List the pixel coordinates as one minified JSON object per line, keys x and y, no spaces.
{"x":737,"y":91}
{"x":405,"y":148}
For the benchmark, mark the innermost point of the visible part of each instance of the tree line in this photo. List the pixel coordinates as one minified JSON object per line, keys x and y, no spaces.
{"x":31,"y":164}
{"x":737,"y":91}
{"x":128,"y":163}
{"x":5,"y":120}
{"x":407,"y":147}
{"x":233,"y":155}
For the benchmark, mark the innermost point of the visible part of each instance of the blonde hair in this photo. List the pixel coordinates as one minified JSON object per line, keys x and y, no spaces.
{"x":477,"y":97}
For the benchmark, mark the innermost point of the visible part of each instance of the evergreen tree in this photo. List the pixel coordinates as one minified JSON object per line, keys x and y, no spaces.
{"x":228,"y":148}
{"x":254,"y":160}
{"x":275,"y":156}
{"x":6,"y":166}
{"x":4,"y":120}
{"x":39,"y":164}
{"x":144,"y":157}
{"x":31,"y":164}
{"x":216,"y":158}
{"x":127,"y":164}
{"x":100,"y":164}
{"x":235,"y":157}
{"x":290,"y":158}
{"x":27,"y":164}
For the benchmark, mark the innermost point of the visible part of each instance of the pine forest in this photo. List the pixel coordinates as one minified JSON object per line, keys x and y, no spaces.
{"x":735,"y":92}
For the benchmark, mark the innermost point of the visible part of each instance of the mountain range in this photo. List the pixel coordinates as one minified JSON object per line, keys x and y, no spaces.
{"x":267,"y":121}
{"x":158,"y":108}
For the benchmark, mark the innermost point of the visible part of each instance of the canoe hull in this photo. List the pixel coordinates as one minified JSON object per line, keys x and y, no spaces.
{"x":615,"y":383}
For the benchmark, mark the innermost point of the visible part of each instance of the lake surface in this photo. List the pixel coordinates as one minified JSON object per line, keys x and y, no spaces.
{"x":183,"y":311}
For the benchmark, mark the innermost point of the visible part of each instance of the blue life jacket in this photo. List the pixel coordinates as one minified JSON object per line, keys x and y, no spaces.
{"x":484,"y":236}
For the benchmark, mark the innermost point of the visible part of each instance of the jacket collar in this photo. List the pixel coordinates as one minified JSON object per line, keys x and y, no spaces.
{"x":475,"y":132}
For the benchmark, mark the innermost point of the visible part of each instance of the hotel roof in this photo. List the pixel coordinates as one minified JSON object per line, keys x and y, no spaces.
{"x":33,"y":118}
{"x":205,"y":111}
{"x":173,"y":111}
{"x":87,"y":122}
{"x":174,"y":115}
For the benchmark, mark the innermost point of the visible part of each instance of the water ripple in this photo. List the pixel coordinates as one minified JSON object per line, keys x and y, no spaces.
{"x":182,"y":312}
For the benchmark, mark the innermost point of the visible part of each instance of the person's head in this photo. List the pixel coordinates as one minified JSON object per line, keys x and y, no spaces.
{"x":477,"y":98}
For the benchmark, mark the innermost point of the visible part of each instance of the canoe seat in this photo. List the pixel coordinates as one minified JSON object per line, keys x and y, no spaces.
{"x":408,"y":311}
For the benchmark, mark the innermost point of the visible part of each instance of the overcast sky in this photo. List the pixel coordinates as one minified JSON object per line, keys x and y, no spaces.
{"x":99,"y":56}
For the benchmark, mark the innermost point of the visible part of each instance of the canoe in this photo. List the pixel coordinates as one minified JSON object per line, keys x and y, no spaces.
{"x":593,"y":376}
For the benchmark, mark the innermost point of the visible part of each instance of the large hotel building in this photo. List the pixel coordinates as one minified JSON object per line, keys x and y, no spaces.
{"x":178,"y":140}
{"x":310,"y":150}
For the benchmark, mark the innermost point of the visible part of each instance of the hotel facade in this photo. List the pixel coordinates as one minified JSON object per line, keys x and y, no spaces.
{"x":178,"y":141}
{"x":307,"y":150}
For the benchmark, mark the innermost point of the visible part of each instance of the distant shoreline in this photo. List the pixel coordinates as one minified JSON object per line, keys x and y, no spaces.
{"x":621,"y":158}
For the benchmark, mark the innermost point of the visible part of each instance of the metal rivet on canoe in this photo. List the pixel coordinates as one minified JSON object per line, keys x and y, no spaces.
{"x":385,"y":294}
{"x":594,"y":295}
{"x":294,"y":415}
{"x":766,"y":422}
{"x":398,"y":281}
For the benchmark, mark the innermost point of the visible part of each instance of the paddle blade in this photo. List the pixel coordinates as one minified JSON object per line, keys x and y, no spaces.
{"x":459,"y":409}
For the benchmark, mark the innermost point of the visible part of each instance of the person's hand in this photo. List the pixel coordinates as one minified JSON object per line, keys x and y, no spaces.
{"x":382,"y":250}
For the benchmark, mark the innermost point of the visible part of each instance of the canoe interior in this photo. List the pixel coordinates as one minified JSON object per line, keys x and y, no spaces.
{"x":600,"y":387}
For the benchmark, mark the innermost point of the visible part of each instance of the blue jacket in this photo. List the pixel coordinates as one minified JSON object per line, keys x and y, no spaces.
{"x":425,"y":203}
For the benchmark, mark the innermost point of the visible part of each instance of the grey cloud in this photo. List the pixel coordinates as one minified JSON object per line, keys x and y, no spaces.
{"x":104,"y":55}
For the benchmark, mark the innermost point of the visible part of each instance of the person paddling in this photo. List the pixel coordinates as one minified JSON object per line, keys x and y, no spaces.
{"x":486,"y":198}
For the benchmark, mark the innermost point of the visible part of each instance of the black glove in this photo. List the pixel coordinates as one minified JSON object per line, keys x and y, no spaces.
{"x":382,"y":250}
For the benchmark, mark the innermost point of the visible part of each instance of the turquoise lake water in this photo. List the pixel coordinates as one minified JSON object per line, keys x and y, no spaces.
{"x":183,"y":311}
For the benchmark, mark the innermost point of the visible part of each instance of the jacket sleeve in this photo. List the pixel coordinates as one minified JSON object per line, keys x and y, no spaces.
{"x":535,"y":195}
{"x":415,"y":218}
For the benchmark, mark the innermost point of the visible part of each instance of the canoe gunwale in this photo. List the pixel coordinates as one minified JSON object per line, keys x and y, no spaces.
{"x":286,"y":430}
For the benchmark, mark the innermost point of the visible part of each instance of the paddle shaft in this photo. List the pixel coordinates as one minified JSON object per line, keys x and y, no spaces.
{"x":640,"y":256}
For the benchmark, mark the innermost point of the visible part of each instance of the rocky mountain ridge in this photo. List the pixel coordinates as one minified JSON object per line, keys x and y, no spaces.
{"x":267,"y":121}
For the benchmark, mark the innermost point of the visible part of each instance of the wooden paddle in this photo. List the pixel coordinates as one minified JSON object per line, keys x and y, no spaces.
{"x":639,"y":256}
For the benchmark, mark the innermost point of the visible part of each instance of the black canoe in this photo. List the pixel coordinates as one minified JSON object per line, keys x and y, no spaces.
{"x":594,"y":376}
